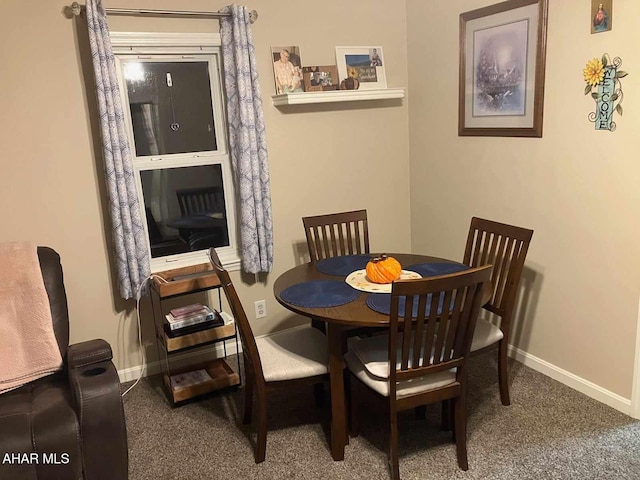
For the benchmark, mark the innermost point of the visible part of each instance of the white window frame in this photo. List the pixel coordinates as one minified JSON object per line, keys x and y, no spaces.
{"x":185,"y":46}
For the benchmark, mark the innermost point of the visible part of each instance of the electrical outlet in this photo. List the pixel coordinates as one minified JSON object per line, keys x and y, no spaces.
{"x":261,"y":309}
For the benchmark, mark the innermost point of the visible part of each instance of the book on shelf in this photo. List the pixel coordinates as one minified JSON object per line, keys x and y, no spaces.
{"x":186,"y":310}
{"x":205,"y":314}
{"x":188,"y":379}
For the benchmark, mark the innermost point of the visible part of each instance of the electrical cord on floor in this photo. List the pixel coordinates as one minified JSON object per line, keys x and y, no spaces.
{"x":144,"y":357}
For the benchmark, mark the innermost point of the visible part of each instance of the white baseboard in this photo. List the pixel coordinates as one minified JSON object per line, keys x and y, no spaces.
{"x":153,"y":368}
{"x":635,"y":385}
{"x":569,"y":379}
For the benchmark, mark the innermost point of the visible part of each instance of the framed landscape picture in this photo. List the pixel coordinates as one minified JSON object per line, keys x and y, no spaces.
{"x":320,"y":78}
{"x":287,"y":69}
{"x":366,"y":64}
{"x":502,"y":63}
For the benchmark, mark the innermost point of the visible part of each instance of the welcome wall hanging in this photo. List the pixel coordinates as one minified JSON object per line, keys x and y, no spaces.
{"x":603,"y":83}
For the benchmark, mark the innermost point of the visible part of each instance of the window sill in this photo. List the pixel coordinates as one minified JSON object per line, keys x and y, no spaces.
{"x":229,"y":258}
{"x":336,"y":96}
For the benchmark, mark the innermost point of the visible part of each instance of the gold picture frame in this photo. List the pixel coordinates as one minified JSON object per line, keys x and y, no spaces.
{"x":502,"y":69}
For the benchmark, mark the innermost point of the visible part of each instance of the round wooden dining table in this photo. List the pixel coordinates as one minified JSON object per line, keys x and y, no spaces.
{"x":353,"y":314}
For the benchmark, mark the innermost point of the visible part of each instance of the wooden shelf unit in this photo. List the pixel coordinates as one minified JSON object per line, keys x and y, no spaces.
{"x":174,"y":344}
{"x":187,"y":281}
{"x":222,"y":376}
{"x":180,"y":281}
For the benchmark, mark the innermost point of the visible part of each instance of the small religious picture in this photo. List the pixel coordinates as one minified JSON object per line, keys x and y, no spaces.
{"x":601,"y":15}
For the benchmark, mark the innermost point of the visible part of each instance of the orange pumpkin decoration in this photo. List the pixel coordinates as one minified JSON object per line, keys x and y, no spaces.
{"x":383,"y":269}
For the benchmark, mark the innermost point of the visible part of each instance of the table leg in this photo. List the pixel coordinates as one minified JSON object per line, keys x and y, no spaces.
{"x":338,"y":414}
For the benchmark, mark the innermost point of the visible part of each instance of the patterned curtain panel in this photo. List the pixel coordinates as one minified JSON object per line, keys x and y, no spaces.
{"x":247,"y":140}
{"x":128,"y":231}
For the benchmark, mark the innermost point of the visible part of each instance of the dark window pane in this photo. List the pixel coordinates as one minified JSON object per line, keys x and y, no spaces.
{"x":185,"y":209}
{"x":171,"y":107}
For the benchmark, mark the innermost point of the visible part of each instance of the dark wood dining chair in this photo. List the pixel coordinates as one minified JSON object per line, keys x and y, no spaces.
{"x":203,"y":201}
{"x":336,"y":234}
{"x":200,"y":200}
{"x":505,"y":247}
{"x":272,"y":361}
{"x":424,"y":357}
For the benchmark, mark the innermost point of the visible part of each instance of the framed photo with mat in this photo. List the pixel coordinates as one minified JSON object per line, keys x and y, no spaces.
{"x":366,"y":64}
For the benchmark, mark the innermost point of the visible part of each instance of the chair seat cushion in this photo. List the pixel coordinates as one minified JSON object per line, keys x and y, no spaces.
{"x":373,"y":352}
{"x":296,"y":353}
{"x":485,"y":334}
{"x":405,"y":388}
{"x":39,"y":423}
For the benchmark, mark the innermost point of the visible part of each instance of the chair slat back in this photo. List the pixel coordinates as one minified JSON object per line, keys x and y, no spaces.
{"x":249,"y":347}
{"x":433,"y":333}
{"x":505,"y":247}
{"x":337,"y":234}
{"x":200,"y":200}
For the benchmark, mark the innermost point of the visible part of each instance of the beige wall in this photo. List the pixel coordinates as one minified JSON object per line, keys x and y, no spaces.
{"x":576,"y":187}
{"x":322,"y":158}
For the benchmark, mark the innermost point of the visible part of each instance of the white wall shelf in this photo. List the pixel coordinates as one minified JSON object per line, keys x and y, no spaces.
{"x":336,"y":96}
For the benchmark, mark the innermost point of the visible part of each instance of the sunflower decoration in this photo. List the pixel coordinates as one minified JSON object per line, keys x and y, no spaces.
{"x":352,"y":72}
{"x":602,"y":77}
{"x":593,"y":74}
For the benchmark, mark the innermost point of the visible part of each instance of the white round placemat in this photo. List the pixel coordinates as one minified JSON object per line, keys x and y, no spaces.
{"x":359,"y":281}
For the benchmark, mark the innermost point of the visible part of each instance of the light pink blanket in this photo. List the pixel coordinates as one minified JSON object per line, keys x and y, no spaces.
{"x":28,"y":347}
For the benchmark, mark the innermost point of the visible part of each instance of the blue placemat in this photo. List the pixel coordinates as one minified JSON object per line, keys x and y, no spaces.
{"x":433,"y":269}
{"x":343,"y":265}
{"x":319,"y":294}
{"x":381,"y":303}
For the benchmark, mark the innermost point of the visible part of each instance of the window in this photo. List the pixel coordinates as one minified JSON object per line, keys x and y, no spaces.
{"x":172,"y":96}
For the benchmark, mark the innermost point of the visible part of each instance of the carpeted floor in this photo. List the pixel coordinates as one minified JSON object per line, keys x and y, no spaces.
{"x":549,"y":432}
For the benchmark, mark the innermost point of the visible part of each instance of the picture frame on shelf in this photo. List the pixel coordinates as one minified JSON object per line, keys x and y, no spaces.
{"x":287,"y":69}
{"x":366,"y":64}
{"x":502,"y":69}
{"x":320,"y":78}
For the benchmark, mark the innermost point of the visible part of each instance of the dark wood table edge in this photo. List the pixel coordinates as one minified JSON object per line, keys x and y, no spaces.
{"x":334,"y":337}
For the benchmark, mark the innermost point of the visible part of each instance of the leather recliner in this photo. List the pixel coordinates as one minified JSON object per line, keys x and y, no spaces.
{"x":68,"y":425}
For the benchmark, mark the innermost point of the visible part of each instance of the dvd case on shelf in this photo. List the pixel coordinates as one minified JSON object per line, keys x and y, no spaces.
{"x":198,"y":327}
{"x":186,"y":310}
{"x":206,"y":314}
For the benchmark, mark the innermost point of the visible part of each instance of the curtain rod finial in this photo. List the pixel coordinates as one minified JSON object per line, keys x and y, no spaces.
{"x":75,"y":8}
{"x":253,"y":16}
